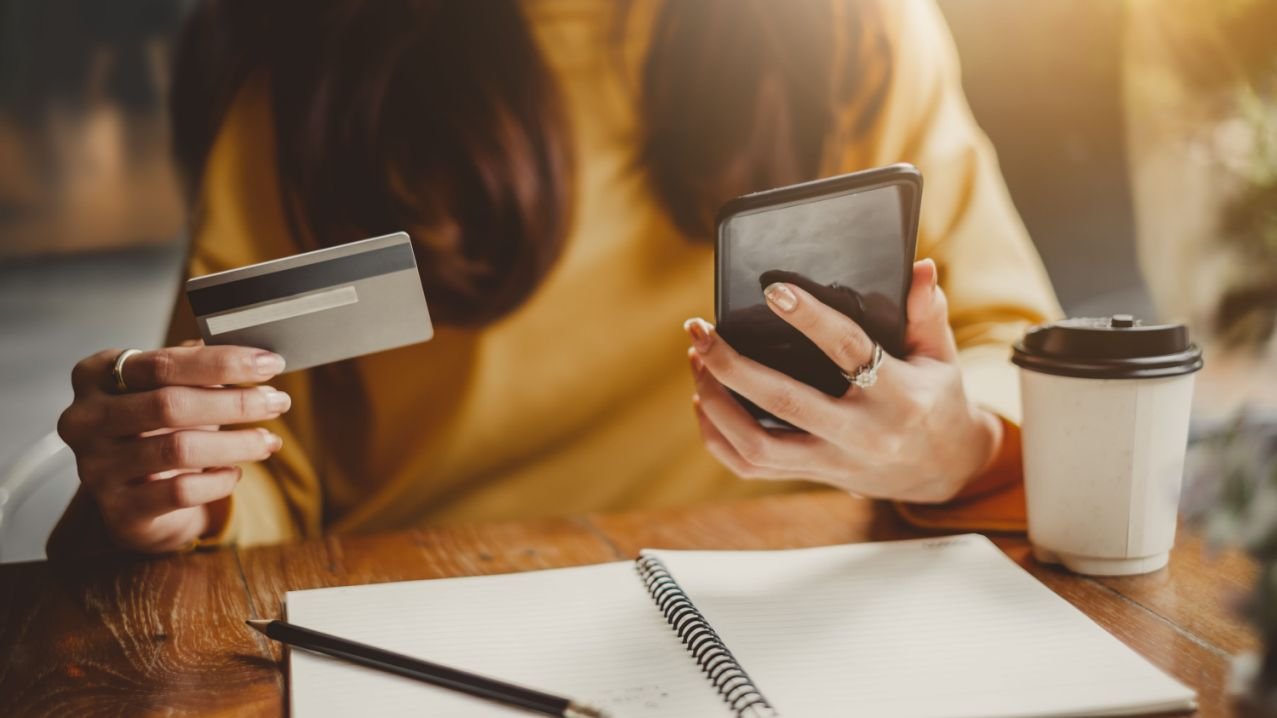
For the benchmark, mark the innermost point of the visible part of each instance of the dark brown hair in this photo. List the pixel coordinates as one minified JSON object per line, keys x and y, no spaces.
{"x":440,"y":117}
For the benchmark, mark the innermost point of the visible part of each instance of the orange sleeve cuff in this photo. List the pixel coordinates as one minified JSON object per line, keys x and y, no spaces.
{"x":992,"y":501}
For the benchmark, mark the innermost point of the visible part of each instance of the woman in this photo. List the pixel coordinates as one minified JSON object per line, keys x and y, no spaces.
{"x":557,"y":163}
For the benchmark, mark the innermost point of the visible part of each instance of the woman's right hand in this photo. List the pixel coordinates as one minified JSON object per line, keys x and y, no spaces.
{"x":155,"y":458}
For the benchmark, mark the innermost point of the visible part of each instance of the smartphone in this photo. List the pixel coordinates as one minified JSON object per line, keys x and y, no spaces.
{"x":848,"y":240}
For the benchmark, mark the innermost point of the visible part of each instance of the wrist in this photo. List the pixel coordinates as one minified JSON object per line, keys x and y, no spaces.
{"x":993,"y":431}
{"x":980,"y":446}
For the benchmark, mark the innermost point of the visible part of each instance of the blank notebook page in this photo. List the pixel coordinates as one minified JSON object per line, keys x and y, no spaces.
{"x":589,"y":633}
{"x":945,"y":628}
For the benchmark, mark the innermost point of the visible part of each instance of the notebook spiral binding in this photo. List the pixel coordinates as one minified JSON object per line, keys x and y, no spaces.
{"x":711,"y":654}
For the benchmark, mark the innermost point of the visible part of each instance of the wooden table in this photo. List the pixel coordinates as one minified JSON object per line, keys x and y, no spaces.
{"x":137,"y":636}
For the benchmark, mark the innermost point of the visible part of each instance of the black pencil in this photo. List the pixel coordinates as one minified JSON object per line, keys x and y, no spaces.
{"x":425,"y":671}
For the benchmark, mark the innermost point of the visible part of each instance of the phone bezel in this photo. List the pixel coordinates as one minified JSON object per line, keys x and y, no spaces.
{"x":902,"y":175}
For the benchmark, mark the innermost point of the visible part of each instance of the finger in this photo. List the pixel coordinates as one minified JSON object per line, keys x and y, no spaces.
{"x":94,"y":373}
{"x":202,"y":427}
{"x":190,"y":407}
{"x":190,"y":449}
{"x":77,"y":424}
{"x":789,"y":454}
{"x":837,"y":335}
{"x":803,"y":406}
{"x":183,"y":491}
{"x":198,"y":366}
{"x":928,"y":332}
{"x":721,"y":449}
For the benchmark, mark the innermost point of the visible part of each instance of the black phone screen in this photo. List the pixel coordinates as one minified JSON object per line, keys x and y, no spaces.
{"x":851,"y":249}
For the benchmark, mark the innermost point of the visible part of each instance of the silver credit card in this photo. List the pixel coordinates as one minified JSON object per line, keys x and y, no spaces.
{"x":318,"y":307}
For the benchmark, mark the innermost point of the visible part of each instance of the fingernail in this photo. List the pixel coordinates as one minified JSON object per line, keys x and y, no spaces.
{"x":701,"y":333}
{"x":935,"y":273}
{"x":268,"y":363}
{"x":781,"y":296}
{"x":273,"y":442}
{"x":277,"y":402}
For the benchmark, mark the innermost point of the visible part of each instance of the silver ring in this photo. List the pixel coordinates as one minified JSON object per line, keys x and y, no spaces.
{"x":867,"y":375}
{"x":117,"y":371}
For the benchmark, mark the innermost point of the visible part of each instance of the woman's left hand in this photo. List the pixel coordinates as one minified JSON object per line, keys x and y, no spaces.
{"x":913,"y":436}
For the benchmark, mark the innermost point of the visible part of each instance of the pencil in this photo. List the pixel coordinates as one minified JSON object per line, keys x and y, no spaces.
{"x":452,"y":678}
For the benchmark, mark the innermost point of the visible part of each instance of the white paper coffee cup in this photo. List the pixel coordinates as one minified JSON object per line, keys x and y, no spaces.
{"x":1106,"y":407}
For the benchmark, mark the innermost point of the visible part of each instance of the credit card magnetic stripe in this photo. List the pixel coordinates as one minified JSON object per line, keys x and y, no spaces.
{"x":284,"y":309}
{"x":296,"y":280}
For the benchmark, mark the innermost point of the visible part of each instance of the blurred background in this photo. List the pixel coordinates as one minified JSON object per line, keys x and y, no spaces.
{"x":1131,"y":134}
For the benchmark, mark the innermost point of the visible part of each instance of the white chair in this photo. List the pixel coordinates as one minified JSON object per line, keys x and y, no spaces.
{"x":34,"y":491}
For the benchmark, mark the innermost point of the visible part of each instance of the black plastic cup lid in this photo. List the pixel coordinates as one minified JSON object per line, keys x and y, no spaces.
{"x":1117,"y":347}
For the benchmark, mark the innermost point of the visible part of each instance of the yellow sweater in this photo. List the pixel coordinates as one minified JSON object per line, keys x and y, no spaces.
{"x":579,"y":400}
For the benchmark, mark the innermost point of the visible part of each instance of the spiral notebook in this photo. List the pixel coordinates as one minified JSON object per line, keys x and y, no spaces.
{"x":948,"y":628}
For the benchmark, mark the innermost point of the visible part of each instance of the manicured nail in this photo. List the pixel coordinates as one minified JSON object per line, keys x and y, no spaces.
{"x":701,"y":333}
{"x":277,"y":402}
{"x":273,"y":442}
{"x":781,"y":296}
{"x":268,"y":363}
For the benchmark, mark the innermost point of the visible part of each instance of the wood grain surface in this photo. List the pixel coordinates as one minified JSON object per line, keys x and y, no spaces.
{"x":272,"y":571}
{"x":126,"y":636}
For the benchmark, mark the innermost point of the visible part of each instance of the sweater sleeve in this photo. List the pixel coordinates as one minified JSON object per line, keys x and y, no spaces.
{"x":240,"y":220}
{"x":990,"y":272}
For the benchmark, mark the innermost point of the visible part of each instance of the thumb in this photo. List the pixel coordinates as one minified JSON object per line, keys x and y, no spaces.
{"x":928,"y":333}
